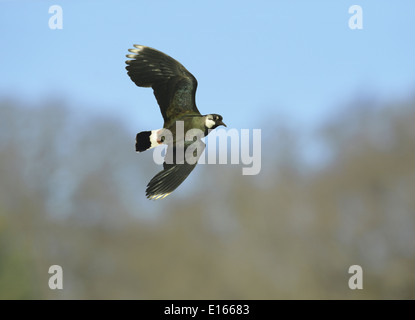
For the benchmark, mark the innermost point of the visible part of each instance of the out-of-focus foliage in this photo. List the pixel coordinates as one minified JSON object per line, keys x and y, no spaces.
{"x":71,"y":193}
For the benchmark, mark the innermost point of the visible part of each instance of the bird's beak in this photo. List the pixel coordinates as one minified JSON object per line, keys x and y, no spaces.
{"x":221,"y":124}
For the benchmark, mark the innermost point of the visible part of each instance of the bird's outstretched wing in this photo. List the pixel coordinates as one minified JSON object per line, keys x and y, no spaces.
{"x":174,"y":86}
{"x":178,"y":164}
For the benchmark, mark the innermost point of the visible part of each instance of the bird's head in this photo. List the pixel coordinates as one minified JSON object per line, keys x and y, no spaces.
{"x":213,"y":121}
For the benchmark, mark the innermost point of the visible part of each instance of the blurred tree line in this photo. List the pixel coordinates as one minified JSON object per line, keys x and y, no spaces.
{"x":72,"y":194}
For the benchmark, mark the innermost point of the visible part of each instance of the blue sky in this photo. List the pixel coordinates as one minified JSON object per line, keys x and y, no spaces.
{"x":254,"y":60}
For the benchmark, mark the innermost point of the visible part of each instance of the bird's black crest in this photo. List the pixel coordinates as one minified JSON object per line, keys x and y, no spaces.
{"x":142,"y":141}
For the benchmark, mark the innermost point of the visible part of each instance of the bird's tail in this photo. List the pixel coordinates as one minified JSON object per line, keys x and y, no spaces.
{"x":147,"y":139}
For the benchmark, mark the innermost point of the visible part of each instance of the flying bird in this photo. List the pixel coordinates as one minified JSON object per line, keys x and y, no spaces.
{"x":175,"y":89}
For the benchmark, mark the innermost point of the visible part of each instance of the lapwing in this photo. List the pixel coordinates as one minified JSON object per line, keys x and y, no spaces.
{"x":174,"y":88}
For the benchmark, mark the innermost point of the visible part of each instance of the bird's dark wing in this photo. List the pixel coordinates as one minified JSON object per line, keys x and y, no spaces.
{"x":174,"y":86}
{"x":176,"y":167}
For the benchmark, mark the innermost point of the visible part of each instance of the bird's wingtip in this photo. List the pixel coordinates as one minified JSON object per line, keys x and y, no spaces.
{"x":157,"y":196}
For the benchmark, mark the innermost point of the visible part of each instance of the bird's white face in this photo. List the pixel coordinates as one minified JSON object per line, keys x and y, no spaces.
{"x":213,"y":121}
{"x":209,"y":121}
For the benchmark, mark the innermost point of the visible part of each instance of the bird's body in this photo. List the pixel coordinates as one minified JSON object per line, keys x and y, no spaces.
{"x":175,"y":89}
